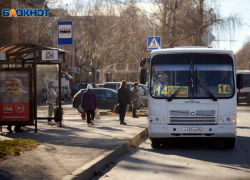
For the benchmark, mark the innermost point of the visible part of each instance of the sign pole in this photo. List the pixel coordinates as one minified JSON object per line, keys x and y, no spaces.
{"x":154,"y":24}
{"x":208,"y":39}
{"x":60,"y":93}
{"x":35,"y":87}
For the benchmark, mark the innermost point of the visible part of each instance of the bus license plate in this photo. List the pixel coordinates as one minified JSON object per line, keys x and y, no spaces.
{"x":192,"y":129}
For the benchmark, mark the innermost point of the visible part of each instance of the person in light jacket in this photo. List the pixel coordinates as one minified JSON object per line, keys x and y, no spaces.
{"x":51,"y":100}
{"x":123,"y":100}
{"x":89,"y":104}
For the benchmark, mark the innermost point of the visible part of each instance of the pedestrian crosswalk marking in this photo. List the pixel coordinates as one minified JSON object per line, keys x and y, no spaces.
{"x":154,"y":44}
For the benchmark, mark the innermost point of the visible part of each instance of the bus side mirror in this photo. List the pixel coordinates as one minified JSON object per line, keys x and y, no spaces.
{"x":240,"y":81}
{"x":143,"y":77}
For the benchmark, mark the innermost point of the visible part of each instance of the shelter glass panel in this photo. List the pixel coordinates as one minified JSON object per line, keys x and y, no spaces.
{"x":47,"y":89}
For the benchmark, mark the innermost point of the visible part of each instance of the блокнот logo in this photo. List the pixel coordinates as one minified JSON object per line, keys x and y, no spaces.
{"x":25,"y":12}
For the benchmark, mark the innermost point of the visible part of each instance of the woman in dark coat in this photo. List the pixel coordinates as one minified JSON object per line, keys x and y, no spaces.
{"x":123,"y":100}
{"x":89,"y":104}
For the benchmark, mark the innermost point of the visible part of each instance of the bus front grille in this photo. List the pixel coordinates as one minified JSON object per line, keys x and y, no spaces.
{"x":192,"y":120}
{"x":183,"y":113}
{"x":179,"y":113}
{"x":205,"y":113}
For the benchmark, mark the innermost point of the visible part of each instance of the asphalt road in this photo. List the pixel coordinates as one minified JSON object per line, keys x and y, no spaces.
{"x":184,"y":160}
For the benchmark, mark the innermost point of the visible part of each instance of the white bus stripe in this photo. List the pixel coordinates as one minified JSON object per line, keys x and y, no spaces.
{"x":238,"y":120}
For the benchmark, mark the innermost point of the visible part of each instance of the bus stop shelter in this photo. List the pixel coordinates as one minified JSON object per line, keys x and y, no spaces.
{"x":21,"y":60}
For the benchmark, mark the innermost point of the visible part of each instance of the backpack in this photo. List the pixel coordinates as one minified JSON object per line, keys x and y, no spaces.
{"x":57,"y":114}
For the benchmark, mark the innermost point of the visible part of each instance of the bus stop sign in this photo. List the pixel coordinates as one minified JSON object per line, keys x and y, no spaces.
{"x":64,"y":32}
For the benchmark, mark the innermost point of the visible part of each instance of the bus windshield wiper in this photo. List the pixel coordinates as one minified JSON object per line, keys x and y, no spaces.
{"x":177,"y":91}
{"x":206,"y":89}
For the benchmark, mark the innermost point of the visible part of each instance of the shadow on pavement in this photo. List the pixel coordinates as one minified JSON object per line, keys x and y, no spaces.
{"x":109,"y":129}
{"x":243,"y":127}
{"x":69,"y":136}
{"x":5,"y":175}
{"x":208,"y":150}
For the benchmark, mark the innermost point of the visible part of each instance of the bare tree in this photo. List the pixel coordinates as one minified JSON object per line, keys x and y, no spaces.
{"x":243,"y":57}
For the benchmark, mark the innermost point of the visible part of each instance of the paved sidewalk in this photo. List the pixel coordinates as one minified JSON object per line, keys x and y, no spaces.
{"x":67,"y":148}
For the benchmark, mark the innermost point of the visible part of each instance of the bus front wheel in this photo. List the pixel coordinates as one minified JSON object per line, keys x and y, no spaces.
{"x":156,"y":143}
{"x":229,"y":143}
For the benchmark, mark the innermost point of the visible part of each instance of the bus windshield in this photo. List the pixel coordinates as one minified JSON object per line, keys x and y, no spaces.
{"x":200,"y":76}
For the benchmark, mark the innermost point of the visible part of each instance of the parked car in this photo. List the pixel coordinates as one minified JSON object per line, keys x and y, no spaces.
{"x":143,"y":91}
{"x":116,"y":85}
{"x":107,"y":98}
{"x":144,"y":94}
{"x":100,"y":85}
{"x":77,"y":87}
{"x":65,"y":89}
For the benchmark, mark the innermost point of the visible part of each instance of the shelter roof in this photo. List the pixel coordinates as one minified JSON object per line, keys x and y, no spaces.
{"x":14,"y":51}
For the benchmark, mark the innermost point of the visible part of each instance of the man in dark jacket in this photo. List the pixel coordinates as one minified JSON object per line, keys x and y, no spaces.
{"x":123,"y":100}
{"x":89,"y":104}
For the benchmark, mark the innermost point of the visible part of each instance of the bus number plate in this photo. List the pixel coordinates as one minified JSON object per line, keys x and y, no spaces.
{"x":192,"y":129}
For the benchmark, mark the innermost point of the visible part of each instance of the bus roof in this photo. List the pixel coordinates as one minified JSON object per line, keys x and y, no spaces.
{"x":192,"y":49}
{"x":242,"y":71}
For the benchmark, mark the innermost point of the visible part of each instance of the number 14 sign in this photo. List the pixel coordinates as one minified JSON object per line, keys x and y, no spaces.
{"x":223,"y":89}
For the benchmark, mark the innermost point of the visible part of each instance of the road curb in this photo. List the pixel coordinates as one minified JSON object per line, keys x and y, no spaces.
{"x":87,"y":171}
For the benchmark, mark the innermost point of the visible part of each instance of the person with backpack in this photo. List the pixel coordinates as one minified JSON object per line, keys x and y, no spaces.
{"x":135,"y":99}
{"x":89,"y":104}
{"x":123,"y":100}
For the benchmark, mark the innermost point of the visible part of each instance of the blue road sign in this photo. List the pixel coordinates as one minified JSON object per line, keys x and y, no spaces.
{"x":64,"y":32}
{"x":154,"y":42}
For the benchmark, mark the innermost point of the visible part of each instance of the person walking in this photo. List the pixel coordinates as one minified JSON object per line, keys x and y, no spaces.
{"x":123,"y":100}
{"x":89,"y":104}
{"x":135,"y":99}
{"x":51,"y":100}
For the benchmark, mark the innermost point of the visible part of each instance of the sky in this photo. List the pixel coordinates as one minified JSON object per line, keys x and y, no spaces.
{"x":227,"y":7}
{"x":242,"y":8}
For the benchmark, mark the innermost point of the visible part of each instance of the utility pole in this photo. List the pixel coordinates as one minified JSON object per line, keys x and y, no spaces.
{"x":201,"y":23}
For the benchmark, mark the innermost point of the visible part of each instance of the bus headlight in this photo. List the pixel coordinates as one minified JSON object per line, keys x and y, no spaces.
{"x":227,"y":120}
{"x":163,"y":120}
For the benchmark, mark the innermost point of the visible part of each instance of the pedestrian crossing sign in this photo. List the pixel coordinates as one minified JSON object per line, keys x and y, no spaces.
{"x":154,"y":42}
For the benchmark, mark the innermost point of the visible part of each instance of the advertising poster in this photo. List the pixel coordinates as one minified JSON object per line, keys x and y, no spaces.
{"x":15,"y":95}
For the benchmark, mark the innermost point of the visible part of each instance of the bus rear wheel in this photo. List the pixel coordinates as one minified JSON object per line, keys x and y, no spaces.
{"x":229,"y":143}
{"x":156,"y":143}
